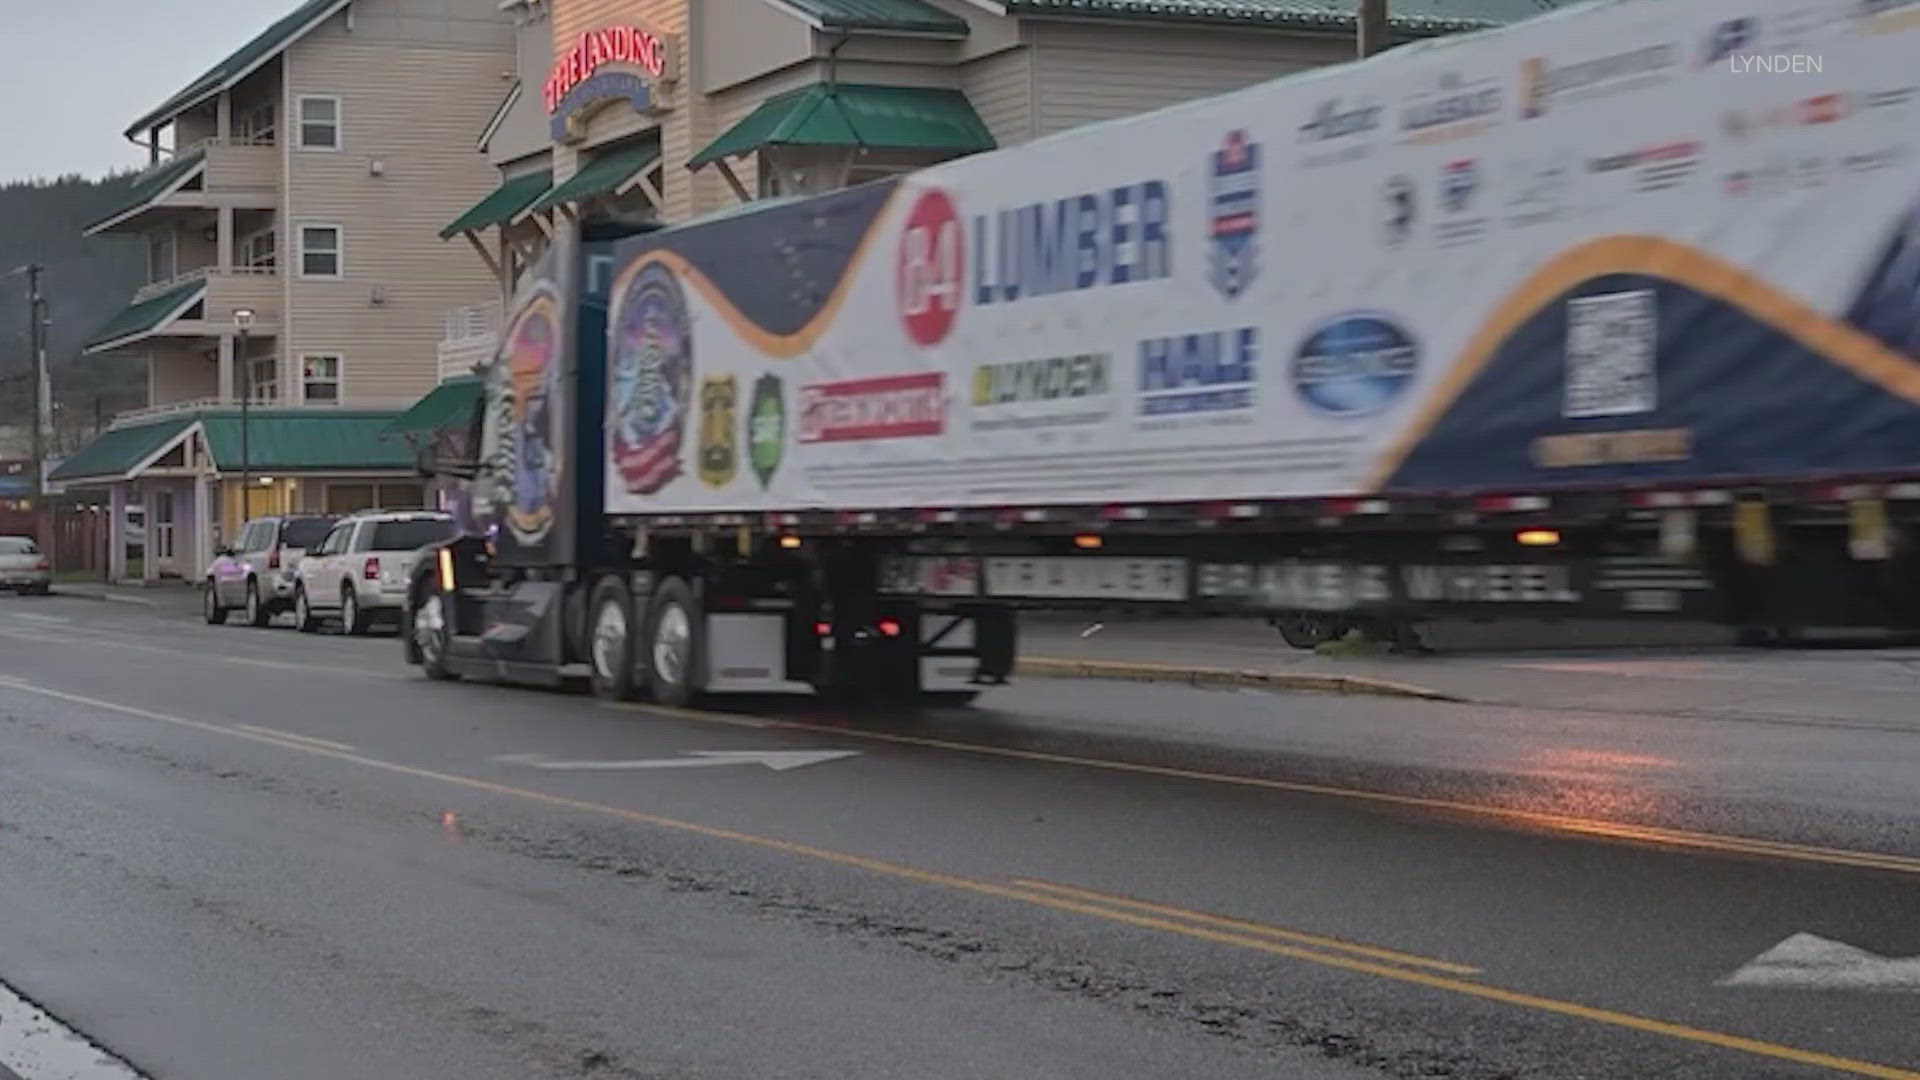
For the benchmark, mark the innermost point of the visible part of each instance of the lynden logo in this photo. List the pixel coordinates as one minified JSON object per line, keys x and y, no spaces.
{"x":1331,"y":122}
{"x":863,"y":410}
{"x":1055,"y":378}
{"x":931,"y":269}
{"x":1233,"y":199}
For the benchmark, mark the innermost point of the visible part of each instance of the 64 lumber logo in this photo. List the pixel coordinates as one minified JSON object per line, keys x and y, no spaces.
{"x":719,"y":447}
{"x":1233,"y":211}
{"x":766,"y":428}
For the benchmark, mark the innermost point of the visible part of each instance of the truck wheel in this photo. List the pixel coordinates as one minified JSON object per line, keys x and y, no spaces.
{"x":257,"y":613}
{"x":610,"y":642}
{"x":1307,"y":631}
{"x":211,"y":606}
{"x":432,"y":634}
{"x":673,"y":653}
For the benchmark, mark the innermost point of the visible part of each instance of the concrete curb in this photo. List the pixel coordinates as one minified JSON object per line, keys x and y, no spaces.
{"x":102,"y":594}
{"x":1050,"y":667}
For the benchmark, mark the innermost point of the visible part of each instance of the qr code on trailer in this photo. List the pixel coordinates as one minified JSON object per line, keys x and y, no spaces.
{"x":1610,"y":354}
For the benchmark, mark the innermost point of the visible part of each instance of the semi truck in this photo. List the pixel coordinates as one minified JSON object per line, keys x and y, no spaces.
{"x":1610,"y":313}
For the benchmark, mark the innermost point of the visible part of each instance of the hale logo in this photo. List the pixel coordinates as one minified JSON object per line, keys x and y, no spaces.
{"x":766,"y":428}
{"x":1234,"y":210}
{"x":719,"y":446}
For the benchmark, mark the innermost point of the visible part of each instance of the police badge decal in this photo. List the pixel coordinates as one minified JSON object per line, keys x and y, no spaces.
{"x":719,"y":446}
{"x":649,"y":371}
{"x":1233,"y":214}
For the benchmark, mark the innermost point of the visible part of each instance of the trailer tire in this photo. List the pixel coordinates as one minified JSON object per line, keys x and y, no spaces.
{"x":610,"y":634}
{"x":673,"y":643}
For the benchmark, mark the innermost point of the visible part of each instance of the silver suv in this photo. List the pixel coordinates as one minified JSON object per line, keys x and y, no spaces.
{"x":359,"y":572}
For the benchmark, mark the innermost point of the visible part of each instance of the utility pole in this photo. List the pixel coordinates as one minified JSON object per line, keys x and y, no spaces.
{"x":37,"y":347}
{"x":1372,"y":18}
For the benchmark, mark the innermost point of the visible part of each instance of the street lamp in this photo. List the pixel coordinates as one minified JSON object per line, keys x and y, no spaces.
{"x":243,"y":323}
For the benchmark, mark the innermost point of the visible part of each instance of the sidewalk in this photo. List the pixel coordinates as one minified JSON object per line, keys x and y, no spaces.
{"x":1671,"y":669}
{"x":167,"y":595}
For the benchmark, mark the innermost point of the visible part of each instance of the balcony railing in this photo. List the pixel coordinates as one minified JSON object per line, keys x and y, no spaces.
{"x":201,"y":273}
{"x":473,"y":321}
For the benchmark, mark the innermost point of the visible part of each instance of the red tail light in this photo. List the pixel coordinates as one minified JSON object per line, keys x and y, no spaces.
{"x":273,"y":558}
{"x":889,"y":628}
{"x":43,"y":565}
{"x":821,"y":629}
{"x":372,"y":571}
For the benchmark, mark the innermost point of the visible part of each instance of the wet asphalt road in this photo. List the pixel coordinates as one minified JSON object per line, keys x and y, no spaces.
{"x":236,"y":853}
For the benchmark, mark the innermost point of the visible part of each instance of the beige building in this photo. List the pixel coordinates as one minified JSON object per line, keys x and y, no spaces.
{"x":658,"y":111}
{"x":289,"y":214}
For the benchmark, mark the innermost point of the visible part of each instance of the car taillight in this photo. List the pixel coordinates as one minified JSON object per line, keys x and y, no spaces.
{"x":372,"y":571}
{"x":43,"y":565}
{"x":273,"y":558}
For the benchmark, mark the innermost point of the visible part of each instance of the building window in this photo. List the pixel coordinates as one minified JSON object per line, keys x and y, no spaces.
{"x":320,"y":251}
{"x":255,"y":126}
{"x":319,"y":123}
{"x":161,"y":261}
{"x":263,"y":378}
{"x":320,"y":378}
{"x":259,"y":250}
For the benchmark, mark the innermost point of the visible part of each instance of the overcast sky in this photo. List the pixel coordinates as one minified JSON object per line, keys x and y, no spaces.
{"x":75,"y":73}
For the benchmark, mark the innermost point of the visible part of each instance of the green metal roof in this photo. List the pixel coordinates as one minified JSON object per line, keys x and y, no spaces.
{"x":136,"y":320}
{"x":116,"y":451}
{"x":450,"y":402}
{"x":151,"y":186}
{"x":231,"y":70}
{"x":305,"y":440}
{"x":1407,"y":16}
{"x":898,"y":16}
{"x":850,"y":114}
{"x":503,"y":204}
{"x":603,"y":173}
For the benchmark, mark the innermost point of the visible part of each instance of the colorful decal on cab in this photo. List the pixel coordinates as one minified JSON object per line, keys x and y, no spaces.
{"x":650,"y":371}
{"x":532,"y":443}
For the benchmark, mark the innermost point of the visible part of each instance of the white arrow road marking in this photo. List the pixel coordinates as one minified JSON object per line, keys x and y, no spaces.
{"x":777,"y":760}
{"x":1811,"y":962}
{"x":36,"y":1045}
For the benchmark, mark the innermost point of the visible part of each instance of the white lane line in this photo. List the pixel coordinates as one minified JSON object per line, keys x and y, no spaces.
{"x":297,"y":738}
{"x":36,"y":617}
{"x":38,"y":1047}
{"x":282,"y":665}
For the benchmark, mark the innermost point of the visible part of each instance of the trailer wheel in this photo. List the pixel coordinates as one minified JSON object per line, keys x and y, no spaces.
{"x":1307,"y":631}
{"x":610,"y":642}
{"x":673,"y":646}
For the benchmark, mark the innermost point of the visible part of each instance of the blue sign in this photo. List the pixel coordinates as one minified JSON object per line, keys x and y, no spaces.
{"x":1233,"y":207}
{"x":1207,"y":372}
{"x":1355,"y":364}
{"x":1109,"y":237}
{"x":594,"y":94}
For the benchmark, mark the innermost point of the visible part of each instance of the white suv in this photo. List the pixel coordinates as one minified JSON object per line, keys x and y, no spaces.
{"x":360,"y":570}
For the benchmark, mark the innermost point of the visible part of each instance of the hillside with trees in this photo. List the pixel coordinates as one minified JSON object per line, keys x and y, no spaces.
{"x":86,"y":281}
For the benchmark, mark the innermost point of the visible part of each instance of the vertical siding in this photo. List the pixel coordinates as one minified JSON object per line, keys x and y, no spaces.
{"x":1000,"y":87}
{"x":416,"y":106}
{"x":1085,"y":74}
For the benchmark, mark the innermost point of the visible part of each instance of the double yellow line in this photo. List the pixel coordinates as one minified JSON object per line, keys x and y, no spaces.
{"x":1276,"y":941}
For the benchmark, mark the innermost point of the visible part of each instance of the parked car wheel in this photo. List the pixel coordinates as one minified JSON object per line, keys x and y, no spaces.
{"x":257,"y":612}
{"x":353,"y":620}
{"x":304,"y":620}
{"x":211,"y":605}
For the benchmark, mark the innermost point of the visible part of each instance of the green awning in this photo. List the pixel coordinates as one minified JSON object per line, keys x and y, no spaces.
{"x":305,"y":440}
{"x":853,"y":115}
{"x":150,"y":187}
{"x":116,"y":452}
{"x":452,"y":402}
{"x":891,"y":16}
{"x":502,"y":205}
{"x":140,"y":319}
{"x":603,"y":174}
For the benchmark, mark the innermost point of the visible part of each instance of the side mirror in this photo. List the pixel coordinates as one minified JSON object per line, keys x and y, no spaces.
{"x":225,"y":552}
